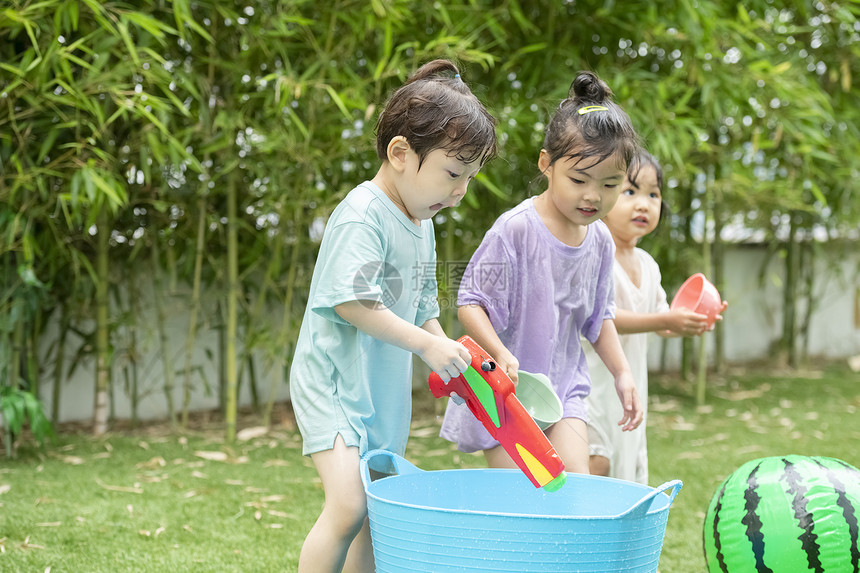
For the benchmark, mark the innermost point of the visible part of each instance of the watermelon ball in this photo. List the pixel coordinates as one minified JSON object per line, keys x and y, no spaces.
{"x":785,"y":514}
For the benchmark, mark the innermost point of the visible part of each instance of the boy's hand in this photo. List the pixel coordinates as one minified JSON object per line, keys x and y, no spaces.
{"x":630,"y":402}
{"x":447,"y":358}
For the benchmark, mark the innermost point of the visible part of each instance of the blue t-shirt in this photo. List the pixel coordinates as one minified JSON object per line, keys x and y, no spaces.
{"x":343,"y":381}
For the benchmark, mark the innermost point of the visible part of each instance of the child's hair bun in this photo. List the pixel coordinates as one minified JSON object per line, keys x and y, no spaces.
{"x":587,"y":87}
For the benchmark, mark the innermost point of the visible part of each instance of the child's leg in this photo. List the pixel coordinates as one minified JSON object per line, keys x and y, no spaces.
{"x":498,"y":458}
{"x":343,"y":515}
{"x":359,"y":558}
{"x":570,"y":438}
{"x":598,"y":465}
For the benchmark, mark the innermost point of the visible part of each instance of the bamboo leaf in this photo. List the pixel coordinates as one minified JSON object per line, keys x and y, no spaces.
{"x":155,"y":27}
{"x":337,"y":100}
{"x":47,"y":144}
{"x":122,"y":28}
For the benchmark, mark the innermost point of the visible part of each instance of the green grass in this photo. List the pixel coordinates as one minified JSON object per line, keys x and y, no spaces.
{"x":155,"y":501}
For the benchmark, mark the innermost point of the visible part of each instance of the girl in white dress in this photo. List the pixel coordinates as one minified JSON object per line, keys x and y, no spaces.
{"x":641,"y":308}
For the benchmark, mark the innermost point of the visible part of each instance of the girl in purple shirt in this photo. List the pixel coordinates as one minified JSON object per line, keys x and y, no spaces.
{"x":542,"y":276}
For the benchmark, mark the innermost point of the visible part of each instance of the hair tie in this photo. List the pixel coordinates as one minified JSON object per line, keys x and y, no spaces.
{"x":591,"y":108}
{"x":456,"y":76}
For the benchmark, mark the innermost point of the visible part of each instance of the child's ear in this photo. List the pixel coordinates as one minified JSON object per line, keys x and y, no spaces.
{"x":544,"y":161}
{"x":397,"y":150}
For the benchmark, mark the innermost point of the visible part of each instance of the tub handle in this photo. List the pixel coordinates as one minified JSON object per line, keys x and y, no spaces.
{"x":379,"y":464}
{"x":640,"y":508}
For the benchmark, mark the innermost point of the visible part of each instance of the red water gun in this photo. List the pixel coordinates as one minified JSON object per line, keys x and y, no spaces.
{"x":491,"y":397}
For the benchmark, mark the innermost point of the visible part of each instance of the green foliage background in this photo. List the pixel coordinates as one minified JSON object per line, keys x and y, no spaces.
{"x":204,"y":139}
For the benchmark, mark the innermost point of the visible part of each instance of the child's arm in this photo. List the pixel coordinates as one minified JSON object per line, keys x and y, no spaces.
{"x":447,"y":358}
{"x":474,"y":319}
{"x":608,"y":347}
{"x":677,"y":321}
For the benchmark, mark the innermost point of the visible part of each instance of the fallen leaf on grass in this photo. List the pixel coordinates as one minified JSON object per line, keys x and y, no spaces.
{"x":135,"y":489}
{"x":276,"y":463}
{"x":5,"y":488}
{"x":28,"y":545}
{"x":156,"y":462}
{"x":212,"y":456}
{"x":749,"y":450}
{"x":72,"y":460}
{"x":199,"y":475}
{"x":269,"y":498}
{"x":664,"y":405}
{"x":424,"y":432}
{"x":683,"y":426}
{"x":249,"y":433}
{"x":50,"y":524}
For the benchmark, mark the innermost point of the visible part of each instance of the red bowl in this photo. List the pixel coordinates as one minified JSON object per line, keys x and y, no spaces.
{"x":699,"y":295}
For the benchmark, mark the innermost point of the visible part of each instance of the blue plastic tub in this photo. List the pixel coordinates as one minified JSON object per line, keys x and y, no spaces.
{"x":495,"y":520}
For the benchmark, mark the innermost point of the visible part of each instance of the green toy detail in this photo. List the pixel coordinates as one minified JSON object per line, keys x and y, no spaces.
{"x":556,"y":483}
{"x":484,"y":394}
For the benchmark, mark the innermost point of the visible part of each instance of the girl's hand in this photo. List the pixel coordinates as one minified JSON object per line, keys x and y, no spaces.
{"x":447,"y":358}
{"x":719,"y":316}
{"x":685,"y":322}
{"x":630,"y":402}
{"x":510,"y":366}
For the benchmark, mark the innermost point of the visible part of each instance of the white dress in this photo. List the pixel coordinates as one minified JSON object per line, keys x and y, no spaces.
{"x":627,"y":451}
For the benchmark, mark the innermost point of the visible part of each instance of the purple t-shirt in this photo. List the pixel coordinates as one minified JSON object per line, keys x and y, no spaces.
{"x":540,"y":295}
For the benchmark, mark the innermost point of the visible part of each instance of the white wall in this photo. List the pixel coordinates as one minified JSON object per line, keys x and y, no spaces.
{"x":752,"y":324}
{"x":76,"y":402}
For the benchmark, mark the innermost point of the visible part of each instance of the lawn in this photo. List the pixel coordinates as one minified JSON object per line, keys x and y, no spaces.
{"x":155,"y":500}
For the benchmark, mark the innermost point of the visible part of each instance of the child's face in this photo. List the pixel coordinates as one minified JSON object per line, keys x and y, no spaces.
{"x":637,"y":211}
{"x":441,"y":182}
{"x":583,"y":191}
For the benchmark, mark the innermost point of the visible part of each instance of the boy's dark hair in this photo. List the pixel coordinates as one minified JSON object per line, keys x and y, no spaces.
{"x":642,"y":159}
{"x":588,"y":124}
{"x":435,"y":109}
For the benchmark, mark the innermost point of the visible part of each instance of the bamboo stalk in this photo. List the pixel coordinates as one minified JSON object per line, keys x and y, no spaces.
{"x":32,"y":356}
{"x":232,"y":306}
{"x":167,"y":368}
{"x":132,"y":378}
{"x":195,"y":307}
{"x":702,"y":367}
{"x":59,"y":362}
{"x":100,"y":411}
{"x":288,"y":313}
